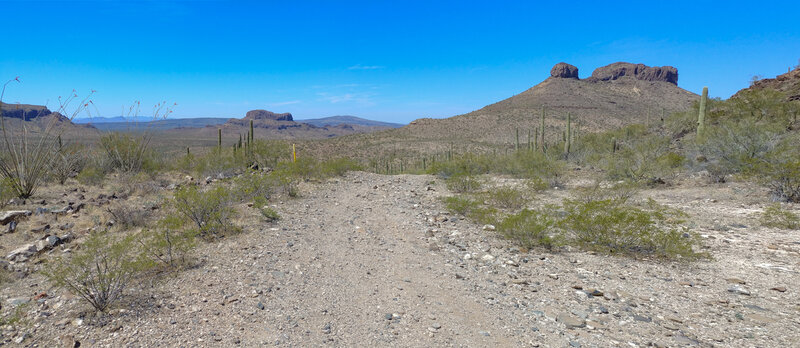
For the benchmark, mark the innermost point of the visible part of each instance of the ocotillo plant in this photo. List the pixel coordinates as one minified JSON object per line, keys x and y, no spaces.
{"x":701,"y":117}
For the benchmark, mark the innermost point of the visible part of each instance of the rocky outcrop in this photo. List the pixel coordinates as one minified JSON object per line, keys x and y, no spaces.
{"x":564,"y":70}
{"x":267,"y":115}
{"x":788,"y":83}
{"x":24,"y":111}
{"x":636,"y":71}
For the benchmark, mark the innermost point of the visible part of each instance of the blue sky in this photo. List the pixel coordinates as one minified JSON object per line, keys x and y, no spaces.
{"x":385,"y":60}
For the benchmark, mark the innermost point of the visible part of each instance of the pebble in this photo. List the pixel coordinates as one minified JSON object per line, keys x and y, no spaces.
{"x":571,"y":321}
{"x":487,"y":257}
{"x":738,"y":290}
{"x":779,"y":289}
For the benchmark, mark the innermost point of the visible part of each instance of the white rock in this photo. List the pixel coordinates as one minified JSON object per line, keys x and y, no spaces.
{"x":488,"y":227}
{"x":487,"y":257}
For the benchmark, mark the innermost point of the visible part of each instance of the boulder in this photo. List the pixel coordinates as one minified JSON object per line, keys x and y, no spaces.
{"x":637,"y":71}
{"x":12,"y":215}
{"x":564,"y":71}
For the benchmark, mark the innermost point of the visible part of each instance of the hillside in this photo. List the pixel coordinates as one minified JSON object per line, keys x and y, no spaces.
{"x":614,"y":95}
{"x":351,"y":120}
{"x":36,"y":118}
{"x":269,"y":125}
{"x":788,"y":83}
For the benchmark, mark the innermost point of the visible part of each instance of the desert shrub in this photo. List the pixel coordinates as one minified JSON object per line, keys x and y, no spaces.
{"x":91,"y":176}
{"x":530,"y":164}
{"x":169,"y":243}
{"x":734,"y":147}
{"x":472,"y":209}
{"x":126,"y":215}
{"x":467,"y":164}
{"x":531,"y":228}
{"x":267,"y":153}
{"x":67,"y":162}
{"x":100,"y":271}
{"x":644,"y":159}
{"x":779,"y":170}
{"x":336,"y":167}
{"x":6,"y":191}
{"x":269,"y":214}
{"x":210,"y":211}
{"x":619,"y":193}
{"x":127,"y":152}
{"x":506,"y":197}
{"x":777,"y":217}
{"x":253,"y":185}
{"x":461,"y":183}
{"x":611,"y":227}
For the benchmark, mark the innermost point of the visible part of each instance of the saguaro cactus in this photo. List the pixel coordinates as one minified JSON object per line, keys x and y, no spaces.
{"x":701,"y":117}
{"x":542,"y":131}
{"x":516,"y":146}
{"x":568,"y":135}
{"x":219,"y":138}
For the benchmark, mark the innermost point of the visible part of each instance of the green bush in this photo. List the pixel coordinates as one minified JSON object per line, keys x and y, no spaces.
{"x":169,"y":244}
{"x":91,"y":176}
{"x":506,"y":197}
{"x":100,"y":271}
{"x":6,"y":191}
{"x":608,"y":226}
{"x":461,"y":183}
{"x":127,"y":216}
{"x":645,"y":159}
{"x":777,"y":217}
{"x":262,"y":205}
{"x":127,"y":152}
{"x":531,"y":228}
{"x":68,"y":161}
{"x":472,"y":209}
{"x":735,"y":147}
{"x":210,"y":211}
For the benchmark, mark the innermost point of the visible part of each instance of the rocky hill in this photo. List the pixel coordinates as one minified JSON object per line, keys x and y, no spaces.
{"x":613,"y":96}
{"x":270,"y":125}
{"x":788,"y":83}
{"x":38,"y":117}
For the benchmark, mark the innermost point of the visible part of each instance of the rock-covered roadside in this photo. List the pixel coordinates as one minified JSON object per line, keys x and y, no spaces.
{"x":371,"y":260}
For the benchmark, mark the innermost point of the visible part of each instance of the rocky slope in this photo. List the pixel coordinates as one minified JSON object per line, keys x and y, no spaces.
{"x":788,"y":83}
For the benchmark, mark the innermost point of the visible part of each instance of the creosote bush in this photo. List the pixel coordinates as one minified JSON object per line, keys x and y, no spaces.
{"x":777,"y":217}
{"x":210,"y":211}
{"x":127,"y":152}
{"x":130,"y":216}
{"x":91,"y":176}
{"x":609,"y":226}
{"x":531,"y":228}
{"x":169,"y":244}
{"x":100,"y":271}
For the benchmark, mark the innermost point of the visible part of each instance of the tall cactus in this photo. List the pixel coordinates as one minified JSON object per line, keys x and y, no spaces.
{"x":701,"y":117}
{"x":219,"y":138}
{"x":568,"y":135}
{"x":516,"y":146}
{"x":542,"y":130}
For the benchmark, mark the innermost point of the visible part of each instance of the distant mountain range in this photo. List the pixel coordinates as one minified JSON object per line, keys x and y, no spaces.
{"x":120,"y":123}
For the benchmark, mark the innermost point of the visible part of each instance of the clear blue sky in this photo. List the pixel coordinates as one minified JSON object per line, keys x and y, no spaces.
{"x":386,"y":60}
